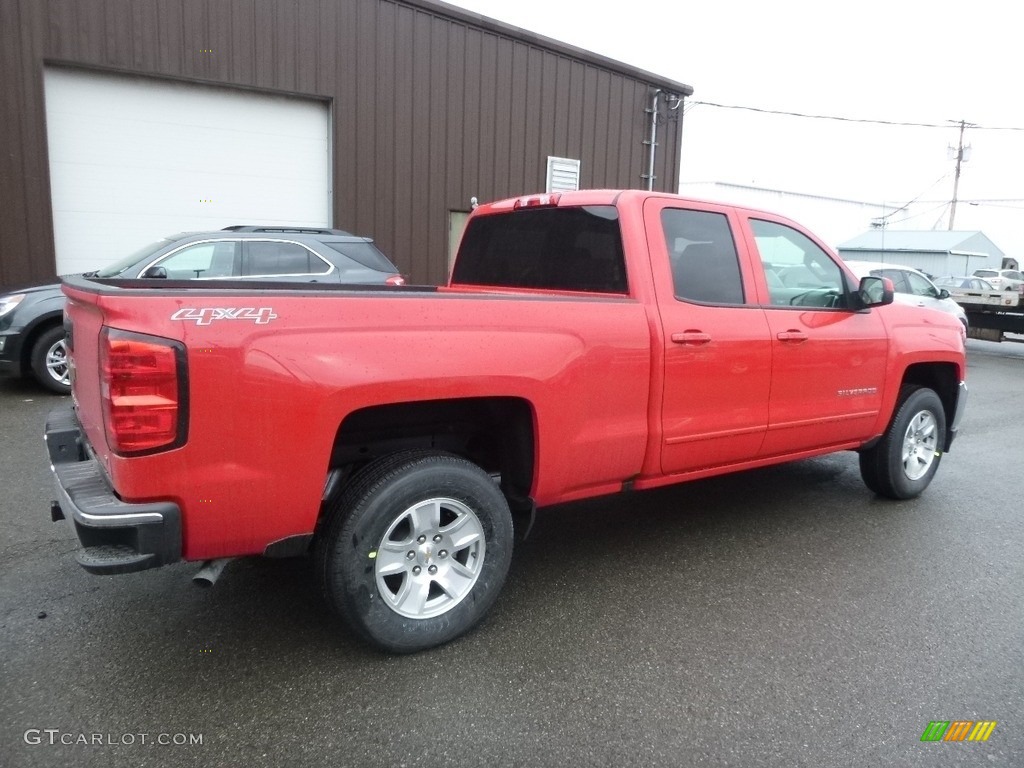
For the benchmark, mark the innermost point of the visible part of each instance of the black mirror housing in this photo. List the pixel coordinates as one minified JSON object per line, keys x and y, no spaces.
{"x":159,"y":272}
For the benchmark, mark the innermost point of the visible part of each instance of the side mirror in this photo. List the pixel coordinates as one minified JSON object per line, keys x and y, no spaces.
{"x":155,"y":272}
{"x":943,"y":293}
{"x":875,"y":291}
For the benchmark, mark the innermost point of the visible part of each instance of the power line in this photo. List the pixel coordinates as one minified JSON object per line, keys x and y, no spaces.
{"x":942,"y":205}
{"x":837,"y":118}
{"x":907,"y":204}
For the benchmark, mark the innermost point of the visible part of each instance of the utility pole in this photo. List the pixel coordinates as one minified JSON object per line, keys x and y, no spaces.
{"x":956,"y":178}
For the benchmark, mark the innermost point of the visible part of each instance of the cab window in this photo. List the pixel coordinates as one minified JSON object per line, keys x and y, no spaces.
{"x":797,"y":271}
{"x":705,"y":265}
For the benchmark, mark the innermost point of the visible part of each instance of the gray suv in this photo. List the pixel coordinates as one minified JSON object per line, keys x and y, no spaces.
{"x":260,"y":253}
{"x":31,"y":335}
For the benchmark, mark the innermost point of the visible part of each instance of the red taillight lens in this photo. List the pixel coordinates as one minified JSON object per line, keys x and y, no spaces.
{"x":143,"y":391}
{"x":395,"y":280}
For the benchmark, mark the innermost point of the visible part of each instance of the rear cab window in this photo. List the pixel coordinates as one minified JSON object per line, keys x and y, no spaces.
{"x":702,"y":253}
{"x":559,"y":249}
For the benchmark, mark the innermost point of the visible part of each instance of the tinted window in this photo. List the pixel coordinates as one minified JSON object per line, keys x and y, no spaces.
{"x":705,"y":266}
{"x":365,"y":254}
{"x":798,"y":272}
{"x":568,"y":249}
{"x":268,"y":258}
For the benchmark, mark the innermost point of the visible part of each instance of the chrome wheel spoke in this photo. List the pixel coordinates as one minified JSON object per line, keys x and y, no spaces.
{"x":412,"y":597}
{"x":57,"y":362}
{"x":392,"y":558}
{"x":463,"y":532}
{"x":919,"y":445}
{"x":425,"y":518}
{"x":423,"y":568}
{"x":456,"y":580}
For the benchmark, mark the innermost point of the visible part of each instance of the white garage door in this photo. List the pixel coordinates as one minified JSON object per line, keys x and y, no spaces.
{"x":134,"y":159}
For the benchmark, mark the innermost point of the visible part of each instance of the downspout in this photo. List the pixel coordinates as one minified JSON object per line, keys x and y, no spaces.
{"x":652,"y":143}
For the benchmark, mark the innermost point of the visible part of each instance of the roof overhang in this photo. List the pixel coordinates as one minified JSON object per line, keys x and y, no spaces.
{"x":540,"y":41}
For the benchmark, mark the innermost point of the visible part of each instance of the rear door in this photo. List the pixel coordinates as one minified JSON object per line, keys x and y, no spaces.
{"x":828,"y":361}
{"x":284,"y":260}
{"x":717,"y":349}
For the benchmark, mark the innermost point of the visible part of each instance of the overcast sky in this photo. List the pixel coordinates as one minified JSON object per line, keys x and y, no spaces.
{"x":901,"y":60}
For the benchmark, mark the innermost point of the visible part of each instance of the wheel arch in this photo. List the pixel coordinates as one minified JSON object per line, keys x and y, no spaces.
{"x":944,"y":380}
{"x":40,"y":325}
{"x":496,"y":433}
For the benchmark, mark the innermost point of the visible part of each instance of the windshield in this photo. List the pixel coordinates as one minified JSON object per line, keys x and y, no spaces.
{"x":119,"y":266}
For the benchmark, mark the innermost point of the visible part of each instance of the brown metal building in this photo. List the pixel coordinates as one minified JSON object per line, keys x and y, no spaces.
{"x":429,"y":106}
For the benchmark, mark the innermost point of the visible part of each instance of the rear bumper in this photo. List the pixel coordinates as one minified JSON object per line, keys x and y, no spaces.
{"x":116,"y":537}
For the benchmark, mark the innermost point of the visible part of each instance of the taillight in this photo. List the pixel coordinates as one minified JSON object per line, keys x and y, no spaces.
{"x":395,"y":280}
{"x":143,"y":384}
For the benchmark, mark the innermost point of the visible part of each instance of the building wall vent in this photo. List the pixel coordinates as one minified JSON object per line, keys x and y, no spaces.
{"x":563,"y":174}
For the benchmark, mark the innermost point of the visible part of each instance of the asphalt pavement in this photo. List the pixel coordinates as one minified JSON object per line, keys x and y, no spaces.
{"x":778,"y":617}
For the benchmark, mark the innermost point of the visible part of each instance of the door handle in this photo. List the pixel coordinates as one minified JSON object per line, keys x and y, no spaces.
{"x":791,"y":335}
{"x":691,"y":338}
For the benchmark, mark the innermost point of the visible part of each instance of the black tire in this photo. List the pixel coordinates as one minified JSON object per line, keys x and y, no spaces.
{"x":49,"y":348}
{"x":373,"y":518}
{"x":883,"y":468}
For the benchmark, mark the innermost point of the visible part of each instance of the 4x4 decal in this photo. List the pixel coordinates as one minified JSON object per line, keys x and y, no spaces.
{"x":206,"y":315}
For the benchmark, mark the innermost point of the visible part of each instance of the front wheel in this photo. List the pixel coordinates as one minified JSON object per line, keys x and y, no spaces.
{"x":415,"y":551}
{"x":904,"y":461}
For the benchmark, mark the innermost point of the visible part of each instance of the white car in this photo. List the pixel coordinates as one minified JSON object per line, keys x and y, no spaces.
{"x":1003,"y":279}
{"x":911,"y":286}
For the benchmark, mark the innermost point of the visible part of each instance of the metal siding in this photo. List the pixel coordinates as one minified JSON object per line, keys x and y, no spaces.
{"x":456,"y":198}
{"x":436,"y":209}
{"x":384,"y":141}
{"x":242,"y":51}
{"x":501,"y":149}
{"x":146,"y":36}
{"x":399,"y":244}
{"x":599,"y":119}
{"x":15,"y":264}
{"x":517,"y":102}
{"x":430,"y":105}
{"x":533,"y":168}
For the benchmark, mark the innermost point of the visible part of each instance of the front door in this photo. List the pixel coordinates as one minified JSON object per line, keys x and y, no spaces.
{"x":829,"y":361}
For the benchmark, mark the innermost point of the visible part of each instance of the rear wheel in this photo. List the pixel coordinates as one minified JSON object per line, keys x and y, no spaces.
{"x":414,"y":552}
{"x":49,"y":361}
{"x":904,"y":461}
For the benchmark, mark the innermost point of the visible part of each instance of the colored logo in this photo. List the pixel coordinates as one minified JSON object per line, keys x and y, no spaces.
{"x":958,"y":730}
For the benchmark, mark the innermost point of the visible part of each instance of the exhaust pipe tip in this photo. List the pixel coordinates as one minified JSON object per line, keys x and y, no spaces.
{"x":210,"y":571}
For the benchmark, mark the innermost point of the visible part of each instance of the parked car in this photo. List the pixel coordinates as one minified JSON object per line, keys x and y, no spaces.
{"x":31,"y":336}
{"x":1003,"y":279}
{"x":964,"y":283}
{"x":911,"y":286}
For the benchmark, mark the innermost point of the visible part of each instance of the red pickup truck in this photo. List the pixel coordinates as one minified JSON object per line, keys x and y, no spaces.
{"x":587,"y":343}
